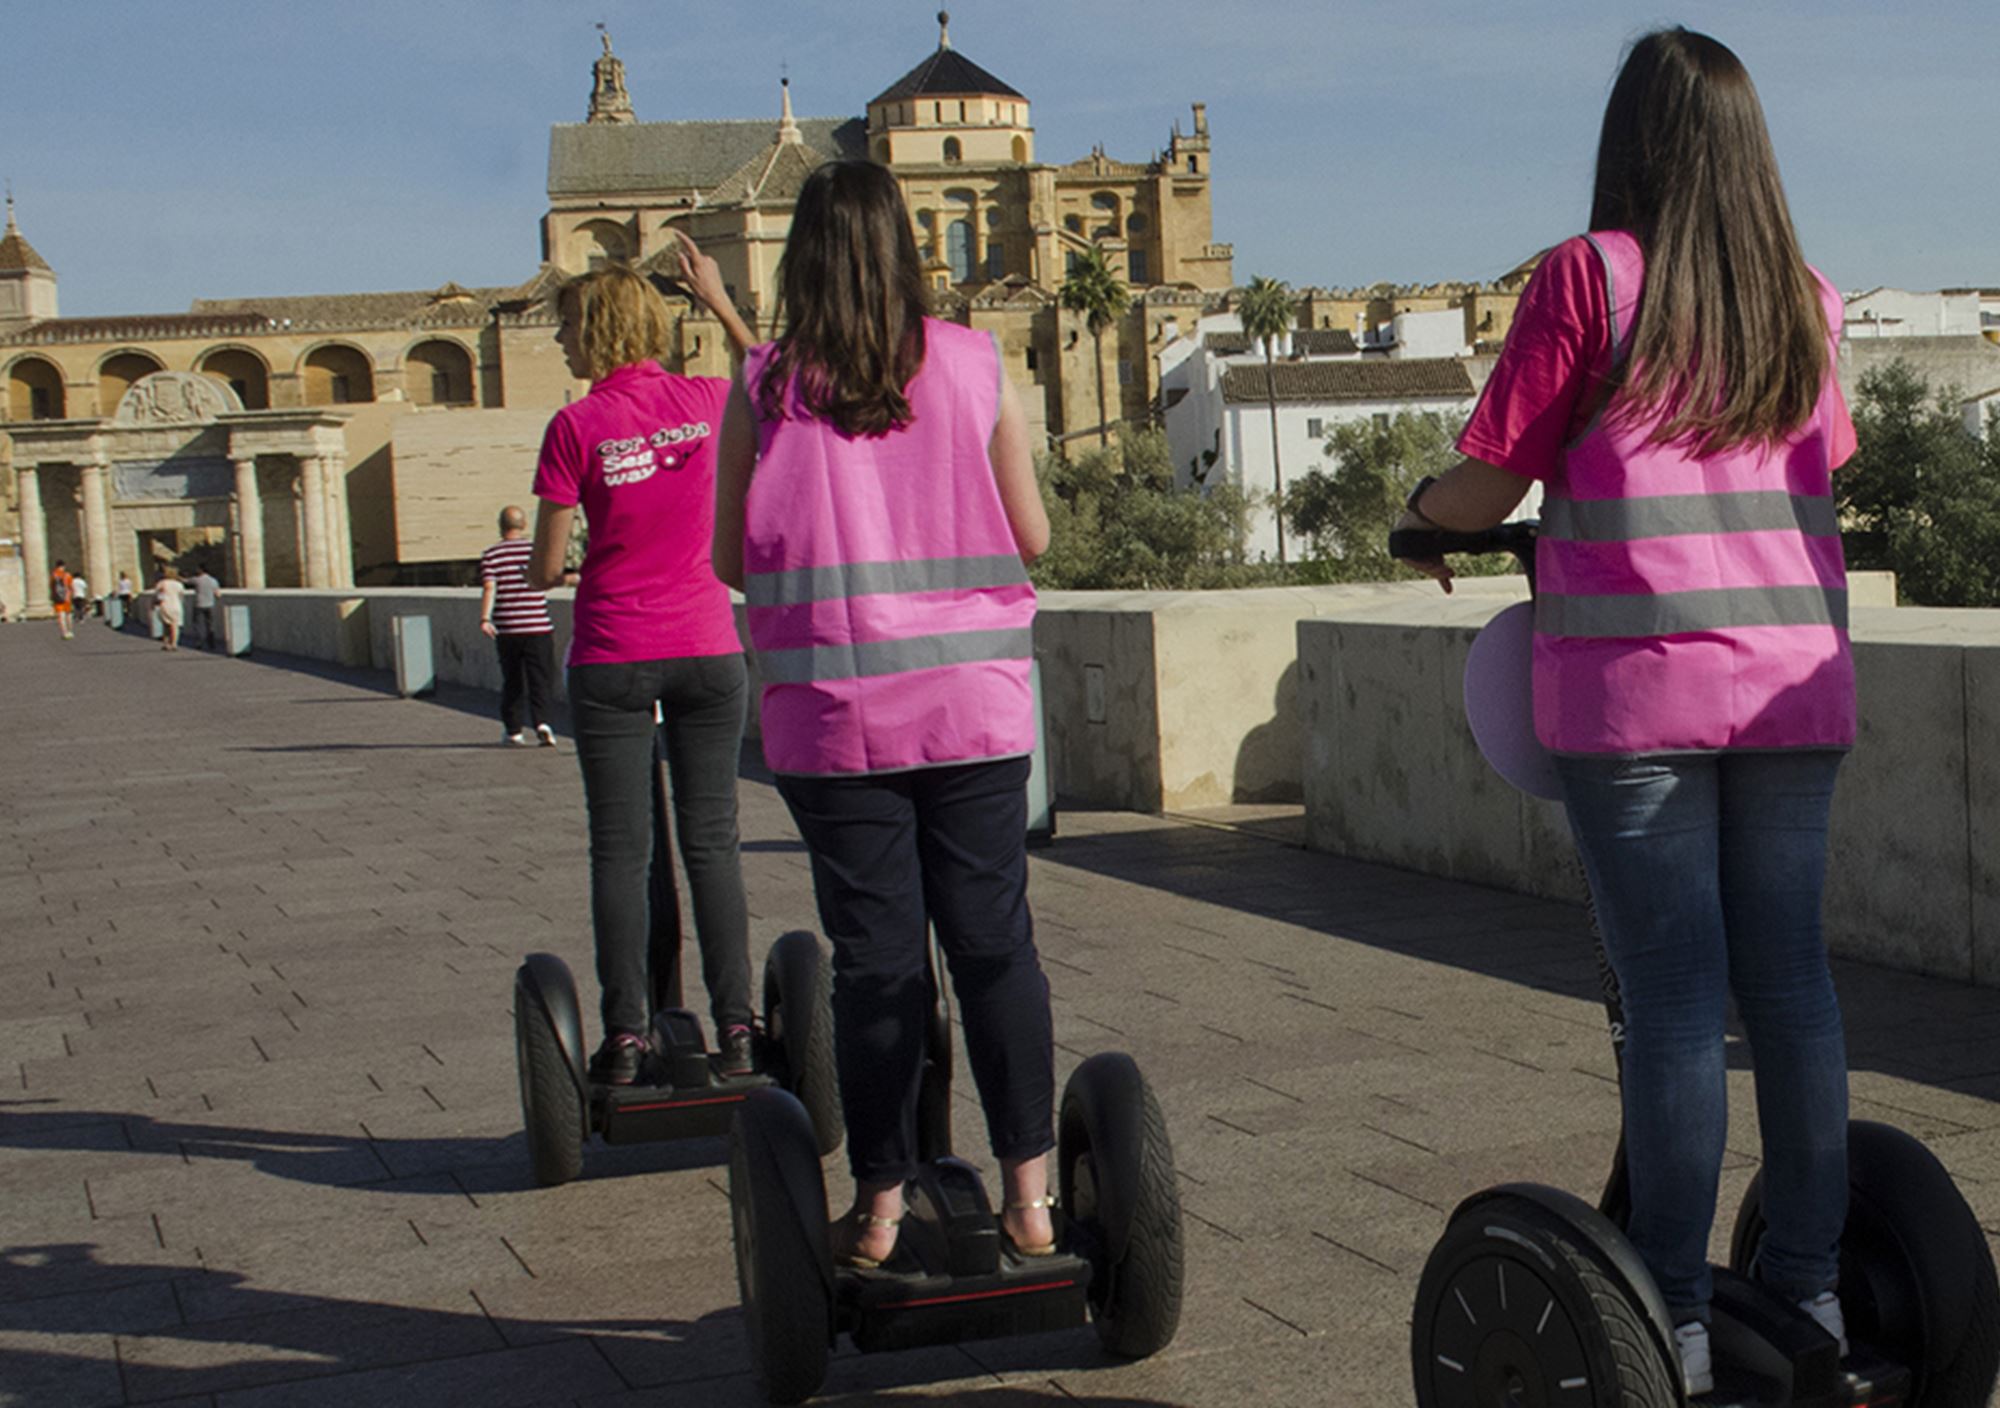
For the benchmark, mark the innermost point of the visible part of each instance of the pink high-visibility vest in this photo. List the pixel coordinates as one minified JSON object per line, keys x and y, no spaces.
{"x":1689,"y":604}
{"x":890,"y":611}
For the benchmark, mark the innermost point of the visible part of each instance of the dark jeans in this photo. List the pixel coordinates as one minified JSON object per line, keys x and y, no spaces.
{"x":888,"y":851}
{"x":611,"y":709}
{"x":527,"y":666}
{"x":202,"y":625}
{"x":1707,"y":872}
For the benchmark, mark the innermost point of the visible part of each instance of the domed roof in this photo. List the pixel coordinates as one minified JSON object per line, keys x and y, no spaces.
{"x":946,"y":73}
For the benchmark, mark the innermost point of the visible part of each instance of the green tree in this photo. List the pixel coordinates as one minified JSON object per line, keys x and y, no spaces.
{"x":1921,"y":497}
{"x":1118,"y":523}
{"x":1093,"y":290}
{"x":1268,"y":311}
{"x":1344,"y":513}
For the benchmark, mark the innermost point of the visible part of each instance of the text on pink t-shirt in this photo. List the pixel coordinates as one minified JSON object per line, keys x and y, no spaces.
{"x":638,"y":455}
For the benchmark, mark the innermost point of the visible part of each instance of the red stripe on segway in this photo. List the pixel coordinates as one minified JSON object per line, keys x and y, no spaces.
{"x":677,"y":1105}
{"x":975,"y":1295}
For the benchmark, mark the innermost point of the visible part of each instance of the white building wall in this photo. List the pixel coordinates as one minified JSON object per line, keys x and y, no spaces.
{"x":1896,"y":312}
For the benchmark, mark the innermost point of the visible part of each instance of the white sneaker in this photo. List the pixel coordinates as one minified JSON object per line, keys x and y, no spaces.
{"x":546,"y":734}
{"x":1697,"y":1364}
{"x":519,"y":737}
{"x":1825,"y":1309}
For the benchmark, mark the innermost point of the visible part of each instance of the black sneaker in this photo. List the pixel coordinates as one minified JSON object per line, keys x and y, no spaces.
{"x":617,"y":1062}
{"x":738,"y":1054}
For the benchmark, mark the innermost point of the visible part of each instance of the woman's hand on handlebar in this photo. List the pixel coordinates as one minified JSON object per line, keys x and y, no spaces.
{"x":1436,"y":568}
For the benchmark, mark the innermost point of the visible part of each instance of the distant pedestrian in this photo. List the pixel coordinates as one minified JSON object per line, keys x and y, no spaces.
{"x":167,"y":594}
{"x":125,"y":591}
{"x":205,"y":588}
{"x":62,"y":591}
{"x":79,"y":594}
{"x":516,"y":617}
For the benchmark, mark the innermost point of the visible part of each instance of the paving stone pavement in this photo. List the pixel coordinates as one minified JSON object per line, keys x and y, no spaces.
{"x":260,"y":1138}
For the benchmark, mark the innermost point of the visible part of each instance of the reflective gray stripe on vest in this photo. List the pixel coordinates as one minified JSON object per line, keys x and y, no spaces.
{"x":1673,"y":613}
{"x":1670,"y":515}
{"x":937,"y":574}
{"x":894,"y":657}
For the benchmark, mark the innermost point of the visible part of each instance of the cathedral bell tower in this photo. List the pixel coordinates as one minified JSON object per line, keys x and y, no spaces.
{"x":27,"y":283}
{"x":609,"y":102}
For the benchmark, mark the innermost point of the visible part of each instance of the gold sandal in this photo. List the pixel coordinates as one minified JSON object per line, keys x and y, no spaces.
{"x":1047,"y":1200}
{"x":863,"y":1222}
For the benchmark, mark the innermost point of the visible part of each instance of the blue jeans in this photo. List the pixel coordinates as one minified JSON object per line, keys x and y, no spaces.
{"x":1707,"y":872}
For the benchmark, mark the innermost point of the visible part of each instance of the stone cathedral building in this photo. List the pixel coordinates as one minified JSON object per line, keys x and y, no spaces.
{"x":327,"y":440}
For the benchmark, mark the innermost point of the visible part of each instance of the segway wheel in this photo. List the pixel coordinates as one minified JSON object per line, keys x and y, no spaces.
{"x":784,"y":1263}
{"x":551,"y":1105}
{"x":798,"y":1014}
{"x":1115,"y":1172}
{"x":1517,"y":1306}
{"x":1916,"y":1275}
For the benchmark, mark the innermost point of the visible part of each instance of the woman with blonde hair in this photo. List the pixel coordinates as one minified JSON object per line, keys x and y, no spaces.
{"x":652,"y":627}
{"x":167,"y":594}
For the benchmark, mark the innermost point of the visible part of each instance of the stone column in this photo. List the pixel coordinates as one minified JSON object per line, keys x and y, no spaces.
{"x":339,"y":540}
{"x":250,"y":527}
{"x":97,"y":528}
{"x":312,"y":500}
{"x":34,"y":541}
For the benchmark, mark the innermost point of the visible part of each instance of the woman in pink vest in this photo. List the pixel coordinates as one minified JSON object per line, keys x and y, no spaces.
{"x":876,"y":503}
{"x":1669,"y":379}
{"x":652,"y":628}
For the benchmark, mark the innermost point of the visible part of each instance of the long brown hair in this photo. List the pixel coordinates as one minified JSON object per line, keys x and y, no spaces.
{"x":851,"y":291}
{"x":1731,"y":340}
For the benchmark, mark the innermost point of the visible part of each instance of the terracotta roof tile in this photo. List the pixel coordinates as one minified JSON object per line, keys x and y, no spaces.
{"x":605,"y":158}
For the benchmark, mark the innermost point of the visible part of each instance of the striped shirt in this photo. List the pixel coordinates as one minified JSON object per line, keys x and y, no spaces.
{"x":518,"y":609}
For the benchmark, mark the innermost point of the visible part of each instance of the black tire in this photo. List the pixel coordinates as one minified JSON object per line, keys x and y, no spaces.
{"x":784,"y":1271}
{"x":1516,"y":1305}
{"x":798,"y":1015}
{"x":551,"y":1105}
{"x":1115,"y":1175}
{"x":1916,"y":1274}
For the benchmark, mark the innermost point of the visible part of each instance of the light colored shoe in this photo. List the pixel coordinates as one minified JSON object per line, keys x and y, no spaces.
{"x":546,"y":734}
{"x":1825,"y":1309}
{"x":519,"y":738}
{"x":1697,"y":1364}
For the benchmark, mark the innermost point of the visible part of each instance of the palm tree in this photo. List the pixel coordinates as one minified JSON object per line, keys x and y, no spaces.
{"x":1093,"y":290}
{"x":1268,"y":310}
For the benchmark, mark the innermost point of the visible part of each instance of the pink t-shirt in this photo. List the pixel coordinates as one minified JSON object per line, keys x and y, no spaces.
{"x":1543,"y":390}
{"x":638,"y":453}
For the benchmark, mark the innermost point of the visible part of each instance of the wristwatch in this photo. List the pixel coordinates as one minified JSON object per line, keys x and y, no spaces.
{"x":1416,"y":497}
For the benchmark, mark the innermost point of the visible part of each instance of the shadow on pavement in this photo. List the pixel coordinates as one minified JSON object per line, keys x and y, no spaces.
{"x":476,"y":1165}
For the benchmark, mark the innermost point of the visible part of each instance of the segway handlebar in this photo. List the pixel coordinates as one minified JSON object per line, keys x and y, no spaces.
{"x":1517,"y":538}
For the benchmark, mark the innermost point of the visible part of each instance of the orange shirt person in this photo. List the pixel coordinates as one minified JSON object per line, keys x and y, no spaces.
{"x":62,"y":587}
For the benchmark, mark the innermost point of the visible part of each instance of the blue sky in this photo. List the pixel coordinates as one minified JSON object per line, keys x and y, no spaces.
{"x":162,"y":151}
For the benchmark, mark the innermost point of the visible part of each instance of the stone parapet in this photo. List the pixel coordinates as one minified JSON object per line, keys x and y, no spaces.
{"x":1391,"y":774}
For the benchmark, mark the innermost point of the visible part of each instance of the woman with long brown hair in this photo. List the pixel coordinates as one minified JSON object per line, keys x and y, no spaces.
{"x":1669,"y":380}
{"x":876,"y":502}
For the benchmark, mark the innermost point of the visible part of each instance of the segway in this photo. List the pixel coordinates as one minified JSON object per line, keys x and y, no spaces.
{"x":1535,"y":1297}
{"x":680,"y":1093}
{"x":1117,"y":1263}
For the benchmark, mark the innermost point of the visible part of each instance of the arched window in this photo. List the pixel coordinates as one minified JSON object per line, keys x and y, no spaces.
{"x":1135,"y":225}
{"x":958,"y":250}
{"x":602,"y":242}
{"x":882,"y":150}
{"x":244,"y":372}
{"x":1020,"y":149}
{"x":438,"y":373}
{"x":35,"y":390}
{"x":952,"y":150}
{"x":1073,"y":223}
{"x":338,"y":375}
{"x":116,"y":375}
{"x":1106,"y":206}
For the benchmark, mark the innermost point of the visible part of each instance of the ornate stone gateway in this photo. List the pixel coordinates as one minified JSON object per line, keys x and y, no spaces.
{"x":181,"y":465}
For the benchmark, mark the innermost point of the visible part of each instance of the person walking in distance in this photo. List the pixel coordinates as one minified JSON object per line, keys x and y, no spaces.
{"x":168,"y":594}
{"x":515,"y":617}
{"x":205,"y":588}
{"x":62,"y":587}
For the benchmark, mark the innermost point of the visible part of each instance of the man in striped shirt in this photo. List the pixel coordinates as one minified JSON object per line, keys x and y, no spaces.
{"x":516,"y":616}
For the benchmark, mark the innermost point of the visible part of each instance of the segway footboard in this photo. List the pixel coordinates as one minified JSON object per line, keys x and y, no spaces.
{"x":1024,"y":1296}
